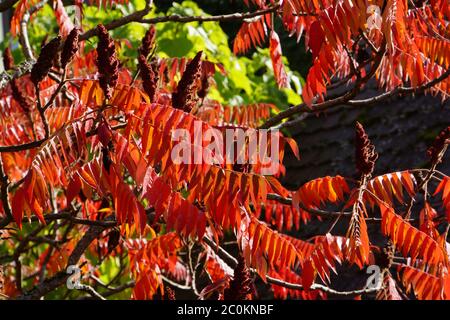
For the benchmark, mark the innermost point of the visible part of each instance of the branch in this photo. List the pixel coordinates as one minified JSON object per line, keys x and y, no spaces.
{"x":321,"y":287}
{"x":38,"y":143}
{"x":345,"y":99}
{"x":69,"y":216}
{"x":317,"y":212}
{"x":111,"y":291}
{"x":120,"y":288}
{"x":218,"y":18}
{"x":397,"y":91}
{"x":91,"y":291}
{"x":304,"y":108}
{"x":138,"y":16}
{"x":23,"y":37}
{"x":20,"y":70}
{"x":321,"y":213}
{"x":176,"y":284}
{"x":61,"y":277}
{"x":133,"y":17}
{"x":62,"y":82}
{"x":232,"y":262}
{"x":42,"y":113}
{"x":22,"y":147}
{"x":22,"y":247}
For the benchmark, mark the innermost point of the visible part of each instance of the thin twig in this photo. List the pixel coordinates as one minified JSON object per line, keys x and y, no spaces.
{"x":91,"y":291}
{"x":23,"y":36}
{"x":232,"y":262}
{"x":138,"y":16}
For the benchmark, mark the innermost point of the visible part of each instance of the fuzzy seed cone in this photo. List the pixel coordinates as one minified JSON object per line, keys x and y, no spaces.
{"x":438,"y":145}
{"x":204,"y":86}
{"x":70,"y":47}
{"x":106,"y":159}
{"x":148,"y":42}
{"x":8,"y":60}
{"x":239,"y":288}
{"x":185,"y":96}
{"x":365,"y":152}
{"x":19,"y":96}
{"x":107,"y":63}
{"x":113,"y":240}
{"x":149,"y":78}
{"x":44,"y":63}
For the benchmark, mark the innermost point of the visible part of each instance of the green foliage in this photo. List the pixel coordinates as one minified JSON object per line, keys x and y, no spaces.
{"x":248,"y":80}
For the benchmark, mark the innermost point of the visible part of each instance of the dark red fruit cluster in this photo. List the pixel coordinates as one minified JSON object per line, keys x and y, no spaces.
{"x":148,"y":42}
{"x":185,"y":96}
{"x":70,"y":47}
{"x":19,"y":96}
{"x":113,"y":240}
{"x":107,"y":62}
{"x":8,"y":60}
{"x":365,"y":152}
{"x":203,"y":91}
{"x":240,"y":286}
{"x":149,"y":77}
{"x":443,"y":139}
{"x":44,"y":63}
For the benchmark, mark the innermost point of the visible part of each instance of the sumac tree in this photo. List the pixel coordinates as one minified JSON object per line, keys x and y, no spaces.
{"x":103,"y":165}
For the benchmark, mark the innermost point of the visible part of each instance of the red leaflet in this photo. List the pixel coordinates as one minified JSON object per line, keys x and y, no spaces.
{"x":277,"y":61}
{"x":389,"y":290}
{"x":263,"y":248}
{"x":410,"y":240}
{"x":146,"y":263}
{"x":21,"y":8}
{"x":316,"y":38}
{"x":426,"y":286}
{"x":390,"y":186}
{"x":358,"y":247}
{"x":317,"y":192}
{"x":252,"y":34}
{"x":320,"y":257}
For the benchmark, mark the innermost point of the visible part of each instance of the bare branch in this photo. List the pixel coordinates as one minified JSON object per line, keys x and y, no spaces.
{"x":317,"y":212}
{"x":138,"y":16}
{"x":91,"y":291}
{"x":133,"y":17}
{"x":23,"y":37}
{"x":61,"y":277}
{"x":218,"y":18}
{"x":232,"y":262}
{"x":398,"y":91}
